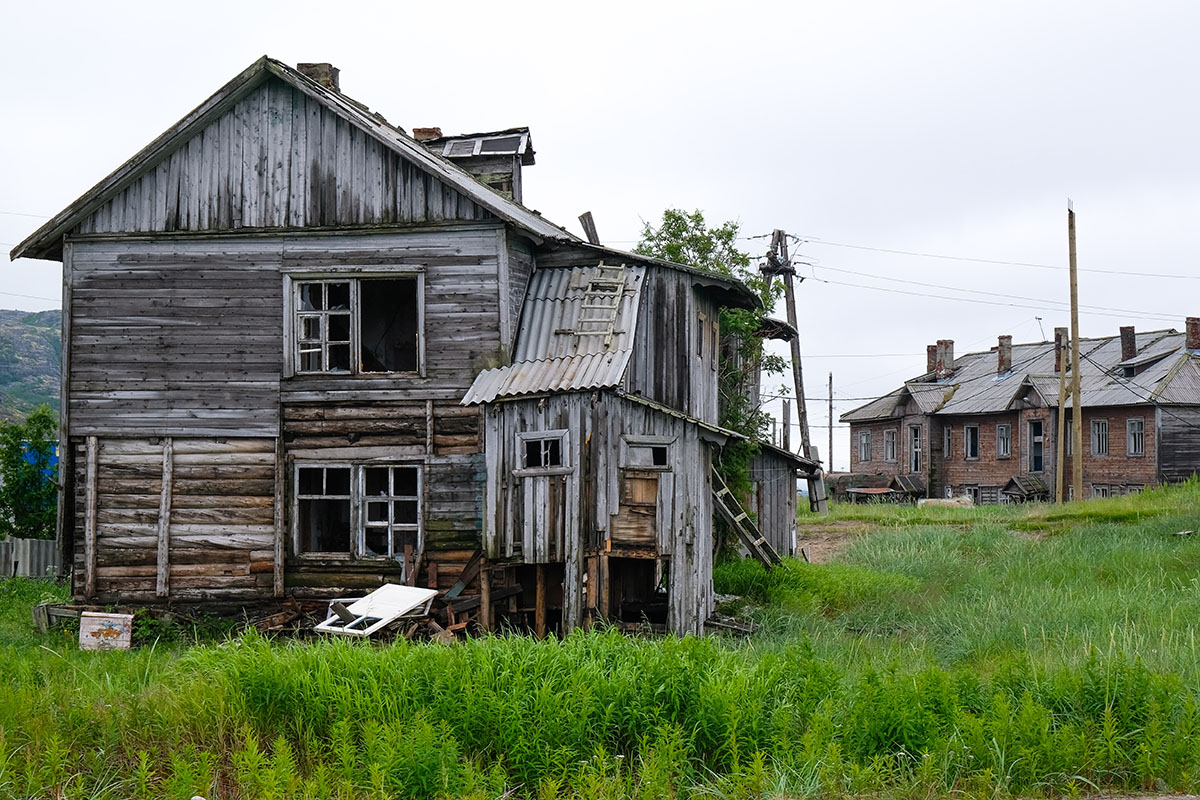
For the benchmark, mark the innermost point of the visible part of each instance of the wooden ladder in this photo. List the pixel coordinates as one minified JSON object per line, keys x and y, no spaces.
{"x":601,"y":302}
{"x":731,"y":511}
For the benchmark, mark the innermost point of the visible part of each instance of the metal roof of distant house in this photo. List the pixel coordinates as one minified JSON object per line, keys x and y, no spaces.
{"x":1166,"y":373}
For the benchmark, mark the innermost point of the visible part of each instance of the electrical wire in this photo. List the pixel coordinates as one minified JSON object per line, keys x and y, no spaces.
{"x":1128,"y":382}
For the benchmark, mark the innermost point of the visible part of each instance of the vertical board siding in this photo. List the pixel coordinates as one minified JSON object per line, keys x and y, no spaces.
{"x":219,"y":526}
{"x":279,"y":158}
{"x":775,"y":500}
{"x":1178,"y":444}
{"x":29,"y":558}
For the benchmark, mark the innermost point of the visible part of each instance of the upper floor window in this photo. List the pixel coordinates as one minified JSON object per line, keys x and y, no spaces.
{"x":1099,"y":437}
{"x":914,"y":448}
{"x":864,"y":446}
{"x":971,"y":441}
{"x":1135,"y":437}
{"x":889,"y":445}
{"x":1003,"y":441}
{"x":357,"y":325}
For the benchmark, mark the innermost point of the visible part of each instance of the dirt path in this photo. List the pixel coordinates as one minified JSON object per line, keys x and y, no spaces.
{"x":824,"y":541}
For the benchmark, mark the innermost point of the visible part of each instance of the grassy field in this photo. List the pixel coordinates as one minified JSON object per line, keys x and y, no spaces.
{"x":975,"y":652}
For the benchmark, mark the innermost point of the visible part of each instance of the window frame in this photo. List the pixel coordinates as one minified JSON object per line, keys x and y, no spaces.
{"x":1069,"y":444}
{"x":358,"y":510}
{"x":947,"y":441}
{"x":1098,"y":445}
{"x":891,"y":438}
{"x":1035,"y":441}
{"x":1005,"y":452}
{"x":1138,"y":437}
{"x":864,"y":444}
{"x":564,"y":439}
{"x":967,"y":429}
{"x":638,"y":442}
{"x":915,"y":448}
{"x":354,"y":276}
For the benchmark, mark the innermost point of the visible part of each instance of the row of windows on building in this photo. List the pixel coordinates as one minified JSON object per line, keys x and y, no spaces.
{"x":993,"y":494}
{"x":1135,"y":442}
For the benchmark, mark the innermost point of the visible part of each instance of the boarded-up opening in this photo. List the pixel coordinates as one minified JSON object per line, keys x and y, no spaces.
{"x":635,"y":523}
{"x":637,"y":590}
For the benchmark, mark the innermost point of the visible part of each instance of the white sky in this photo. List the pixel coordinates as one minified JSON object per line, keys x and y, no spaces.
{"x":935,"y":127}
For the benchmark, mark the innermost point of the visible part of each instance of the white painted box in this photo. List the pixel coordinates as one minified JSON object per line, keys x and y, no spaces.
{"x":105,"y":631}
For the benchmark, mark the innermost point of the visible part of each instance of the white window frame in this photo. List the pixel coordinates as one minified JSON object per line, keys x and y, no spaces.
{"x":947,"y":441}
{"x":358,"y":509}
{"x":564,"y":454}
{"x":889,"y":444}
{"x":1034,"y":440}
{"x":914,"y":449}
{"x":1101,"y":490}
{"x":365,"y":501}
{"x":1135,"y":440}
{"x":972,"y":491}
{"x":1003,"y":441}
{"x":292,"y":282}
{"x":1099,"y":438}
{"x":967,"y":443}
{"x":864,"y":446}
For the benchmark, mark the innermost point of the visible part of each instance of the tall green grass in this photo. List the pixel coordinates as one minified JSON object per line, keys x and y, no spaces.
{"x":964,"y":657}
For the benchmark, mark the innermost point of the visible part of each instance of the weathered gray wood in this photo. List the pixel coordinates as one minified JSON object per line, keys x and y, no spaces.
{"x":279,"y":518}
{"x":89,"y":529}
{"x":162,"y":589}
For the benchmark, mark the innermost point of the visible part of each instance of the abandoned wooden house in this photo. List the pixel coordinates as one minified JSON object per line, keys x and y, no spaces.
{"x":306,"y":354}
{"x":985,"y":424}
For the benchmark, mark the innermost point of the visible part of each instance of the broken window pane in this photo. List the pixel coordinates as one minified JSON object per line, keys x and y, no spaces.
{"x":377,"y":481}
{"x":324,"y":526}
{"x":311,"y":481}
{"x":338,"y":296}
{"x":660,"y":456}
{"x":375,"y":543}
{"x":337,"y":481}
{"x":339,"y":327}
{"x":388,"y":325}
{"x":377,"y":512}
{"x":339,"y":358}
{"x":406,"y":481}
{"x":310,"y":328}
{"x":311,"y":297}
{"x":404,"y":512}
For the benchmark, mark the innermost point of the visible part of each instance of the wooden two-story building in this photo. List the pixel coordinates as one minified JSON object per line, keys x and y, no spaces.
{"x":305,"y":353}
{"x":985,"y":424}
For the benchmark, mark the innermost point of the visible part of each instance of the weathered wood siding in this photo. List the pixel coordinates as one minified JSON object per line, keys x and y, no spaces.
{"x":1178,"y":444}
{"x":174,"y":338}
{"x":520,"y":269}
{"x":775,"y":500}
{"x":674,"y":359}
{"x":567,"y":517}
{"x":279,"y":159}
{"x":219,"y":520}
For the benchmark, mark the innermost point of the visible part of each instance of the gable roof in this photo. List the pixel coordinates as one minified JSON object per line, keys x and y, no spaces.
{"x":1169,"y":374}
{"x":46,"y":241}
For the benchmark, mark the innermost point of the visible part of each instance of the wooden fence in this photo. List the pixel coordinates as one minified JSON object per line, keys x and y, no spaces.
{"x":30,"y":558}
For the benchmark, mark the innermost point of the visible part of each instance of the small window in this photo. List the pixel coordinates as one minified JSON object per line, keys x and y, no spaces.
{"x":1069,"y":444}
{"x":1135,"y":437}
{"x":1100,"y":438}
{"x":646,"y":455}
{"x":889,"y":445}
{"x":1100,"y":490}
{"x":1003,"y":441}
{"x":971,"y":443}
{"x":914,"y":448}
{"x":864,"y":446}
{"x":972,"y":491}
{"x":544,"y":451}
{"x":946,"y":436}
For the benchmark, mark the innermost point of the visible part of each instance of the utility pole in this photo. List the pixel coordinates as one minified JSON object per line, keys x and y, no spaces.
{"x":1060,"y":357}
{"x":830,"y":451}
{"x":1076,"y":412}
{"x":787,"y":425}
{"x":779,"y":263}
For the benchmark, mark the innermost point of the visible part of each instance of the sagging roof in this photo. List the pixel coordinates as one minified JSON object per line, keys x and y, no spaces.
{"x":1026,"y":486}
{"x":553,"y":352}
{"x":1165,"y":373}
{"x":909,"y":484}
{"x":46,"y":241}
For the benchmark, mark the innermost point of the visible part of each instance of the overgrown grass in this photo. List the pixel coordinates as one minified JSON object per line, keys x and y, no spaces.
{"x":958,"y":657}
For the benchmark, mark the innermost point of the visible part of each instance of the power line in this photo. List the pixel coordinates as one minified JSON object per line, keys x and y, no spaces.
{"x":23,"y":214}
{"x":1130,"y":383}
{"x":811,"y":240}
{"x":33,"y":297}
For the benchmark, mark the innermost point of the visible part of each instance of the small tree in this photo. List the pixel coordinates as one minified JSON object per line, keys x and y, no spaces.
{"x":686,"y":239}
{"x":28,"y":476}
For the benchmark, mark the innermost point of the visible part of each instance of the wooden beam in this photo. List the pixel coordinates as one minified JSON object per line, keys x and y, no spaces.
{"x":162,"y":583}
{"x":589,"y":227}
{"x":485,"y":595}
{"x":539,"y":611}
{"x":280,"y":518}
{"x":89,"y":521}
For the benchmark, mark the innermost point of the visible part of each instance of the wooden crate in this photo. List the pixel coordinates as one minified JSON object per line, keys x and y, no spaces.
{"x":105,"y":631}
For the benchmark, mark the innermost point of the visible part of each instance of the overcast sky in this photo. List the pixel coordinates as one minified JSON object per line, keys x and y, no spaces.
{"x":937,"y":128}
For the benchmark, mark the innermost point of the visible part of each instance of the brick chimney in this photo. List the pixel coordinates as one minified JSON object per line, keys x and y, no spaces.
{"x":945,"y":357}
{"x":1061,"y":340}
{"x":1128,"y":342}
{"x":427,"y":134}
{"x":1192,"y":337}
{"x":322,"y":73}
{"x":931,"y":357}
{"x":1003,"y":354}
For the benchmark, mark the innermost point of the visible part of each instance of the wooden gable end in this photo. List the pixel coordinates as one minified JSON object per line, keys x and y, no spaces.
{"x":279,"y":158}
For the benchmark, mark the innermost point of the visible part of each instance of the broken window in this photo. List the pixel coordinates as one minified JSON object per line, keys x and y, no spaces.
{"x":914,"y":448}
{"x":1003,"y":441}
{"x":357,"y":326}
{"x":364,"y":511}
{"x":647,"y":453}
{"x":543,"y":450}
{"x":946,"y":441}
{"x":1036,"y":445}
{"x":971,"y":441}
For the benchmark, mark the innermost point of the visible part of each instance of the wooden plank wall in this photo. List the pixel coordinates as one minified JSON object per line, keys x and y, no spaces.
{"x":175,"y":338}
{"x":219,"y":524}
{"x":775,"y":500}
{"x":520,"y":269}
{"x":279,"y":159}
{"x":1178,"y":442}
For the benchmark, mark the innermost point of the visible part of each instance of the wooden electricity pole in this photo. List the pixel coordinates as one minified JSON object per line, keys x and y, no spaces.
{"x":1076,"y":413}
{"x":787,"y":425}
{"x":829,"y":455}
{"x":1060,"y":357}
{"x":779,"y":263}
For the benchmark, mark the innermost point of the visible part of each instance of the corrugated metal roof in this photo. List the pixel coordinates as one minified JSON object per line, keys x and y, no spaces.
{"x":1169,"y":375}
{"x":549,"y":356}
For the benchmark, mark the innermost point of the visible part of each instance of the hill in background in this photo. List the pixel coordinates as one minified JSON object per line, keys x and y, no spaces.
{"x":30,"y":348}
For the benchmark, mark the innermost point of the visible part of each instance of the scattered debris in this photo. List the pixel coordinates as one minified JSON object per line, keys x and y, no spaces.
{"x":366,"y":615}
{"x":1183,"y":533}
